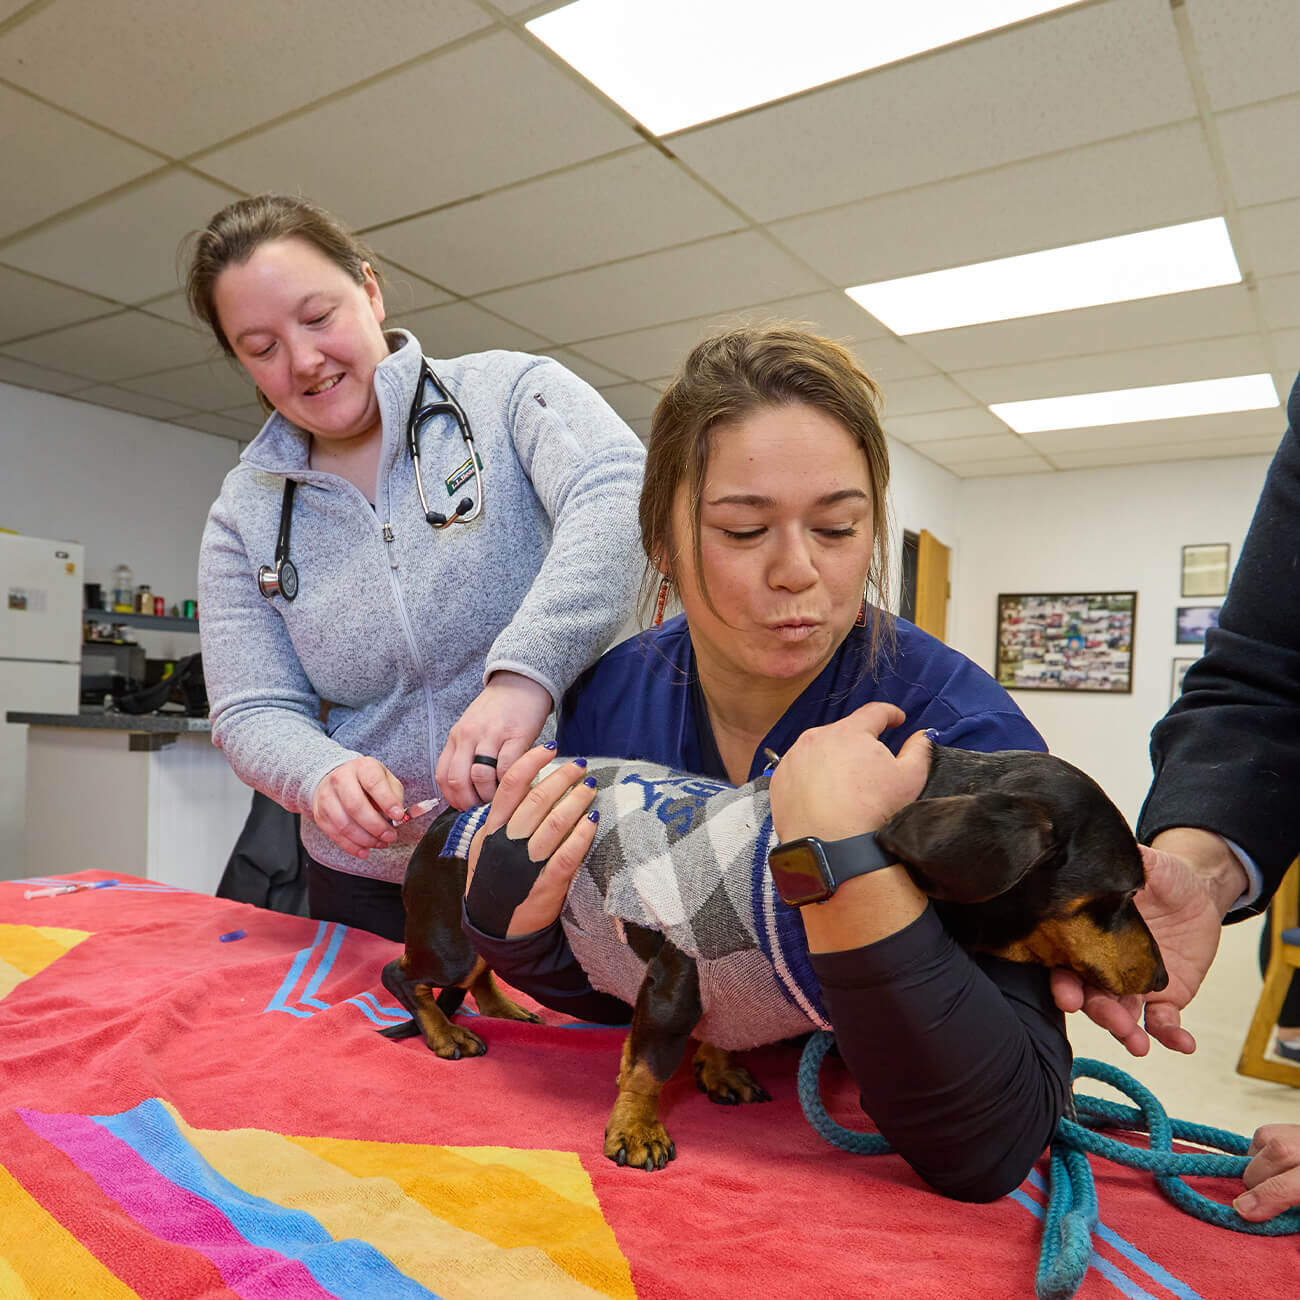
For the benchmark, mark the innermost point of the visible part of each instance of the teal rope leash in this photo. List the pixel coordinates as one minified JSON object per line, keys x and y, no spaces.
{"x":1072,"y":1213}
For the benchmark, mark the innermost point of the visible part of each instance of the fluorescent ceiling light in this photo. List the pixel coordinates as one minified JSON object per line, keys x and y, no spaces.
{"x":1175,"y":259}
{"x":1133,"y":405}
{"x":675,"y":63}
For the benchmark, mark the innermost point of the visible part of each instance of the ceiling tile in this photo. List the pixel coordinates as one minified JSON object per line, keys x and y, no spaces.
{"x":1158,"y":178}
{"x":26,"y":375}
{"x":203,"y":72}
{"x":30,"y":306}
{"x":968,"y":422}
{"x":1205,"y":450}
{"x":1244,"y":354}
{"x":1090,"y":73}
{"x":116,"y":347}
{"x":1279,"y":299}
{"x":596,"y":376}
{"x":137,"y":403}
{"x":462,"y":327}
{"x":1259,"y":168}
{"x":404,"y":291}
{"x":172,"y":307}
{"x":999,"y":467}
{"x":631,"y":401}
{"x":61,"y":161}
{"x":1248,"y":50}
{"x":1286,"y":347}
{"x":489,"y":113}
{"x":1171,"y":318}
{"x":124,"y":247}
{"x":953,"y":451}
{"x":921,"y":396}
{"x":221,"y":425}
{"x":1223,"y":429}
{"x":1271,"y":244}
{"x":612,"y":208}
{"x":210,"y":386}
{"x":714,"y":275}
{"x":250,"y":414}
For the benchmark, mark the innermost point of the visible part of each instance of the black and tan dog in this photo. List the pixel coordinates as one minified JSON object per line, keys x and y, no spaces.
{"x":1024,"y":856}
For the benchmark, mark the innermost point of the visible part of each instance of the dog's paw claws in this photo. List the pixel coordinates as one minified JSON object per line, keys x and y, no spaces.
{"x":621,"y":1158}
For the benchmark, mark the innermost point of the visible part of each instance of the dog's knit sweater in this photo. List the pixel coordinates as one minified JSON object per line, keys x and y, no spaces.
{"x":687,"y":857}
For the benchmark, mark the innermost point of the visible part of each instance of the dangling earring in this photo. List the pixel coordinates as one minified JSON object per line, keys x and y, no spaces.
{"x":665,"y":583}
{"x":861,"y":620}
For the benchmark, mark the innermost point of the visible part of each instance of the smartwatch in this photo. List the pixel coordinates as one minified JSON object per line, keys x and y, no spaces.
{"x":811,"y":870}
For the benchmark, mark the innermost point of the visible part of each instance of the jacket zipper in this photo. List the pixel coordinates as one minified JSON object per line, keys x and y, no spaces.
{"x":386,"y":532}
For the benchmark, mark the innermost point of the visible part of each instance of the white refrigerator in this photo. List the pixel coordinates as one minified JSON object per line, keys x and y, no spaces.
{"x":40,"y":663}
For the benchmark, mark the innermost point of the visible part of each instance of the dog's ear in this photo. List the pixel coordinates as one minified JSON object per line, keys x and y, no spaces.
{"x":968,"y":848}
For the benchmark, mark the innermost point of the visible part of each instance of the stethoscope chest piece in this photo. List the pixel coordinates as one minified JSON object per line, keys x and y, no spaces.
{"x":279,"y":581}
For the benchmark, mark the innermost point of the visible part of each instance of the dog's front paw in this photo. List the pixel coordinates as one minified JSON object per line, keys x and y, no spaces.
{"x":644,"y":1145}
{"x":451,"y":1042}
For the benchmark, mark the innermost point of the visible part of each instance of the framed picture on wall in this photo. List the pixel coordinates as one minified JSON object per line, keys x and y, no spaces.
{"x":1205,"y":569}
{"x":1073,"y":641}
{"x":1193,"y":622}
{"x":1176,"y":683}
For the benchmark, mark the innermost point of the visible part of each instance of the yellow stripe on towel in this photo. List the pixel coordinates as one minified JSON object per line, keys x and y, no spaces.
{"x":26,"y":950}
{"x":40,"y":1258}
{"x":435,"y":1213}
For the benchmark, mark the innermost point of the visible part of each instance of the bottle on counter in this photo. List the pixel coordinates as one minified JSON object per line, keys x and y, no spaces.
{"x":143,"y":599}
{"x":123,"y":589}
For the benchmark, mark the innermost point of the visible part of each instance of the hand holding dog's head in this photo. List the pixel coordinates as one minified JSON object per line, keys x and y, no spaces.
{"x":1028,"y":859}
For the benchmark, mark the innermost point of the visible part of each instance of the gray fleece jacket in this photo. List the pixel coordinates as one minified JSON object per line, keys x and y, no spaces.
{"x":398,"y":626}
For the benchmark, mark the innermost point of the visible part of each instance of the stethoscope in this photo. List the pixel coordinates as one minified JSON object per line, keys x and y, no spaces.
{"x":282,"y":580}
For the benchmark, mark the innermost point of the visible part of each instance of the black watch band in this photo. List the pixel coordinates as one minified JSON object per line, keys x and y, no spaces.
{"x":811,"y":870}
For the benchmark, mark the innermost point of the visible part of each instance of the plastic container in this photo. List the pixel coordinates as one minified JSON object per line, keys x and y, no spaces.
{"x":123,"y":589}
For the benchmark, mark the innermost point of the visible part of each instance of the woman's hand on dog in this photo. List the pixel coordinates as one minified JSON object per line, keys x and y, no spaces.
{"x":501,"y":723}
{"x":839,"y":780}
{"x":553,"y":816}
{"x":356,"y":805}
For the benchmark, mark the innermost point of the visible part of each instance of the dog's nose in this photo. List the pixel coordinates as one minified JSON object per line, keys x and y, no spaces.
{"x":1159,"y":975}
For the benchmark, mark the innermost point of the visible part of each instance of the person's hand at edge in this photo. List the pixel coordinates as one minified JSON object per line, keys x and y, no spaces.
{"x":356,"y":804}
{"x":503,"y":720}
{"x":1272,"y":1177}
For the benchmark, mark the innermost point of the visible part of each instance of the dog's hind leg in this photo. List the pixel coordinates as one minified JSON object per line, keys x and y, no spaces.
{"x":722,"y":1080}
{"x":667,"y":1010}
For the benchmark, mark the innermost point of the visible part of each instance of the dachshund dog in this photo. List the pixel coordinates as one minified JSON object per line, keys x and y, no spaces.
{"x":1023,"y":855}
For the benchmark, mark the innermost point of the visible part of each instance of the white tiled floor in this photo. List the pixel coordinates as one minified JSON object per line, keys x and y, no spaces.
{"x":1205,"y":1087}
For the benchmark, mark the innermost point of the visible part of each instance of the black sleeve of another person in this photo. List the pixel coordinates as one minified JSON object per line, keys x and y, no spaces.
{"x":1227,"y":754}
{"x":962,"y":1062}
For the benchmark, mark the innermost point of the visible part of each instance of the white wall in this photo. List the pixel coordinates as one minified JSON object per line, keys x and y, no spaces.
{"x":922,"y":495}
{"x":132,"y":490}
{"x":1097,"y":530}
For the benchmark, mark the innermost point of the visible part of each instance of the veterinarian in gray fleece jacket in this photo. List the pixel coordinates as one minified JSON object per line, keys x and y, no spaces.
{"x":396,"y":625}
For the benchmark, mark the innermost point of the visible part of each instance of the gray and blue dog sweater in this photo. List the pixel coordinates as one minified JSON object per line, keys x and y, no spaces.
{"x":687,"y":857}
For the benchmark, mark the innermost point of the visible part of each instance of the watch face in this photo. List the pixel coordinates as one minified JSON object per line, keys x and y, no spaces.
{"x":799,"y":872}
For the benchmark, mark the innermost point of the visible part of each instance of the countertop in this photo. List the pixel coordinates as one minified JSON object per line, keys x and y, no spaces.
{"x":159,"y":724}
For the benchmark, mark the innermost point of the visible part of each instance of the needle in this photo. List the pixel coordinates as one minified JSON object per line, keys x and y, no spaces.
{"x":418,"y":810}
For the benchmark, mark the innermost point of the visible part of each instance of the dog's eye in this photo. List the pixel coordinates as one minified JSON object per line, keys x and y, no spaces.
{"x":1108,"y":910}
